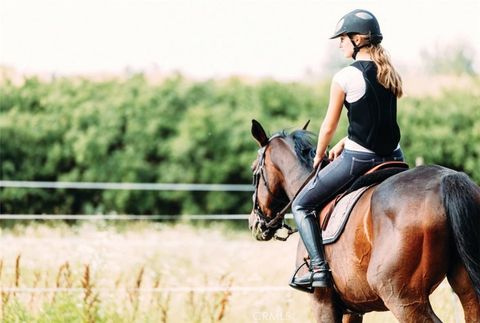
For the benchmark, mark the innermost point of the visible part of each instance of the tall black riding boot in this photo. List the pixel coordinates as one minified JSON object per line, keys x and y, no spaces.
{"x":319,"y":274}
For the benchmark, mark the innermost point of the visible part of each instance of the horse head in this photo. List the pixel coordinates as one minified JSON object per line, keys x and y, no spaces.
{"x":279,"y":157}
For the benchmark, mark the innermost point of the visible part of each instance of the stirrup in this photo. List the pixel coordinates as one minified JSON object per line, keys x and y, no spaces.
{"x":306,"y":289}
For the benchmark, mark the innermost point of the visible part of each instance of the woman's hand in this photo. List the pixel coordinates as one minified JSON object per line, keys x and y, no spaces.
{"x":316,"y":161}
{"x":336,"y":150}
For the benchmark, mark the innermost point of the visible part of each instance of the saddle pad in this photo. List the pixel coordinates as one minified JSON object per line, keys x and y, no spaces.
{"x":340,"y":214}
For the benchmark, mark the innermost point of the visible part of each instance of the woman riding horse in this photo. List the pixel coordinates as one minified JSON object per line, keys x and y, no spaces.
{"x":369,"y":89}
{"x":402,"y":238}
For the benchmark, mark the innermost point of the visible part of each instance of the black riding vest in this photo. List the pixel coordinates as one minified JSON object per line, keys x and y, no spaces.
{"x":373,"y":118}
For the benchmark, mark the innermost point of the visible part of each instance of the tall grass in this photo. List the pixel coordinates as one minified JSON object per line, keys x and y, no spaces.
{"x":86,"y":304}
{"x":102,"y":275}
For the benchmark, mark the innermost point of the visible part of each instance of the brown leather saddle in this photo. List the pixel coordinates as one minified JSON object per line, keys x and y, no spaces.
{"x":334,"y":215}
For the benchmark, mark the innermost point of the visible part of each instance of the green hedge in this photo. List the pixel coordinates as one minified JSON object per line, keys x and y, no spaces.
{"x":180,"y":131}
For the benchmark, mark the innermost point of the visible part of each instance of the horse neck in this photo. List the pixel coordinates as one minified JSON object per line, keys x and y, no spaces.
{"x":295,"y":180}
{"x":293,"y":172}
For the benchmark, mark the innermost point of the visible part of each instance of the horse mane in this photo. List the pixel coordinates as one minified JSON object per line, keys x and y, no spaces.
{"x":302,"y":142}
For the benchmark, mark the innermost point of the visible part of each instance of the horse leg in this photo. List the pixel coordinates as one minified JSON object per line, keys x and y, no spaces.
{"x":352,"y":318}
{"x":463,"y":287}
{"x":324,"y":309}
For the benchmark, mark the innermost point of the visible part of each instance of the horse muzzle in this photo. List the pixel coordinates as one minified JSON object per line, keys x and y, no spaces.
{"x":259,"y":229}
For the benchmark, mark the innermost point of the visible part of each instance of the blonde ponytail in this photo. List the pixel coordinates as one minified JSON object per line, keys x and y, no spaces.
{"x":386,"y":73}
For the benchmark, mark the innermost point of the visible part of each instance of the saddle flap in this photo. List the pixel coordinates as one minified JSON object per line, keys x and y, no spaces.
{"x":326,"y":212}
{"x":335,"y":214}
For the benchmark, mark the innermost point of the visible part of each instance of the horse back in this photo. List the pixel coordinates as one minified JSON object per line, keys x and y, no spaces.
{"x":411,"y":199}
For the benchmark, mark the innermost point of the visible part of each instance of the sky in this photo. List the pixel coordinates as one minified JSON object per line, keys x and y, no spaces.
{"x":216,"y":38}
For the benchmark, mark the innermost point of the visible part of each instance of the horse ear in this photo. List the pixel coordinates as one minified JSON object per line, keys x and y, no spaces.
{"x":258,"y":133}
{"x":306,"y":125}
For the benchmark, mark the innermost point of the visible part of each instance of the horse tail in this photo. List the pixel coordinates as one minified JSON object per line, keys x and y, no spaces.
{"x":461,"y":199}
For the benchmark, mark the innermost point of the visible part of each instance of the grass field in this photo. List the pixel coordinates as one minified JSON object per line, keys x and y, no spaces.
{"x":125,"y":273}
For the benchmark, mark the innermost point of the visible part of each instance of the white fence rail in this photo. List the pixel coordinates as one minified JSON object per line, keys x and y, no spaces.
{"x":180,"y":289}
{"x":125,"y":186}
{"x":129,"y":186}
{"x":108,"y":217}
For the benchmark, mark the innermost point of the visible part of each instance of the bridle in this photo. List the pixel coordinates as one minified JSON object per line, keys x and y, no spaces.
{"x":265,"y":224}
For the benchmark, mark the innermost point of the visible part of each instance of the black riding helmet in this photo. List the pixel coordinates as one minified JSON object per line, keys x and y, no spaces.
{"x":362,"y":22}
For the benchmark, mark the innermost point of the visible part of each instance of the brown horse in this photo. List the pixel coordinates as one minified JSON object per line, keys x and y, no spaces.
{"x":403,"y":236}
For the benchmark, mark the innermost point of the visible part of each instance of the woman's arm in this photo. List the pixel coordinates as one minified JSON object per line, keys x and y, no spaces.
{"x":330,"y":123}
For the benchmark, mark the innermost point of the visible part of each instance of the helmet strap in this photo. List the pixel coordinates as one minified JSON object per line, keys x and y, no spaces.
{"x":356,"y":48}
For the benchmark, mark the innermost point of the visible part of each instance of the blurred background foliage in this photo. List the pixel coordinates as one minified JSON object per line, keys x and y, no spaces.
{"x":184,"y":131}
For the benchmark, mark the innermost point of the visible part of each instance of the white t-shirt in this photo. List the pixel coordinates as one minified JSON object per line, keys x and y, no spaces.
{"x":352,"y":83}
